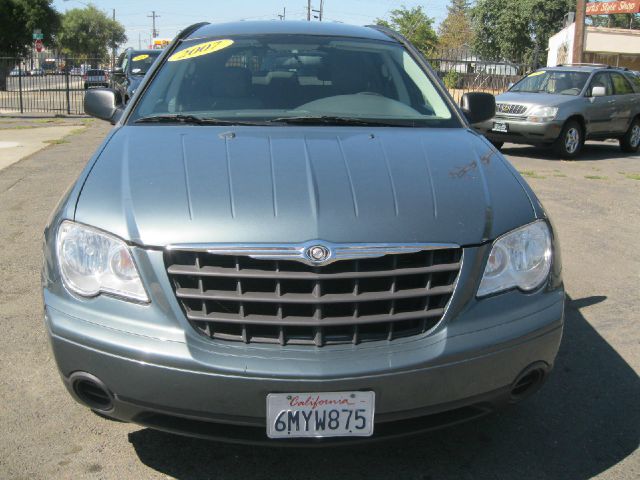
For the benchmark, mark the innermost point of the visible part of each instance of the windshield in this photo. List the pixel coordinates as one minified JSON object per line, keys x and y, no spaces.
{"x":556,"y":81}
{"x":270,"y":77}
{"x":141,"y":62}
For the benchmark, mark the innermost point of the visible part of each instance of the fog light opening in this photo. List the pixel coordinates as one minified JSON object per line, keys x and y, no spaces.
{"x":528,"y":382}
{"x":91,"y":391}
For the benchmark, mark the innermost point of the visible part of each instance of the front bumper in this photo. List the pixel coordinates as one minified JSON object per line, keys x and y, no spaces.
{"x":464,"y":369}
{"x":521,"y":130}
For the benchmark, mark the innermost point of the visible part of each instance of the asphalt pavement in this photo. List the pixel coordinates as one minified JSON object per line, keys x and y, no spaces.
{"x":584,"y":423}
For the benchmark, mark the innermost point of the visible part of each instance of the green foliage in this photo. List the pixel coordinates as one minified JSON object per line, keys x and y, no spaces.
{"x":616,"y":21}
{"x":89,"y":32}
{"x":517,"y":30}
{"x":415,"y":25}
{"x":18,"y":19}
{"x":456,"y":30}
{"x":451,"y":79}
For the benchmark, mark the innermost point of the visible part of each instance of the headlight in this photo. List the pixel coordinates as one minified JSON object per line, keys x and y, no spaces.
{"x":92,"y":262}
{"x":521,"y":258}
{"x":542,"y":114}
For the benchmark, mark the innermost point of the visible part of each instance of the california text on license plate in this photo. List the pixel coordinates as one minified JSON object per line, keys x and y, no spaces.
{"x":500,"y":127}
{"x":322,"y":414}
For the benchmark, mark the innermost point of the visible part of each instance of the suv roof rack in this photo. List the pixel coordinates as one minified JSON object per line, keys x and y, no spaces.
{"x":584,"y":65}
{"x":602,"y":65}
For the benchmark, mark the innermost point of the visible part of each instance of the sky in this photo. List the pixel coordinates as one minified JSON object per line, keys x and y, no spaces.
{"x":174,"y":15}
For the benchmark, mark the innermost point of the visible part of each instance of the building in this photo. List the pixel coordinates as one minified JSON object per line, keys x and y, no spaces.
{"x":612,"y":46}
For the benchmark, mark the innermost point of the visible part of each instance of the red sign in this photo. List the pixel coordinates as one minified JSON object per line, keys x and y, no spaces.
{"x":39,"y":46}
{"x":611,"y":8}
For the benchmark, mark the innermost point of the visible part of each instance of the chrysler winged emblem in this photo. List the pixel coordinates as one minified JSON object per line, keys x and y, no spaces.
{"x":317,"y":253}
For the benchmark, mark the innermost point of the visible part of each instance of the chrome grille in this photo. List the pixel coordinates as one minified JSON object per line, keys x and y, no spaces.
{"x":510,"y":109}
{"x":238,"y":298}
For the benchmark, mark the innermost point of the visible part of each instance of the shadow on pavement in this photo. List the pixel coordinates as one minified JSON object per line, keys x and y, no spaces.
{"x":585,"y":420}
{"x":592,"y":151}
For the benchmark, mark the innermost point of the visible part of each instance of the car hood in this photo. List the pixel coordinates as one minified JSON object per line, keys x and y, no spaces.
{"x":544,"y":99}
{"x":158,"y":185}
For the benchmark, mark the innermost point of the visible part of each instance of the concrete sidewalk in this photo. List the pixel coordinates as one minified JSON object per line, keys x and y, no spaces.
{"x":18,"y":141}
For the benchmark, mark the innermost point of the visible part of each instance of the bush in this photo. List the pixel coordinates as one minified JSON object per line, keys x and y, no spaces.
{"x":451,"y":79}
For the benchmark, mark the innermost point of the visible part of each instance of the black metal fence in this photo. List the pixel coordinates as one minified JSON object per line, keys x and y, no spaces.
{"x":463,"y":71}
{"x":57,"y":86}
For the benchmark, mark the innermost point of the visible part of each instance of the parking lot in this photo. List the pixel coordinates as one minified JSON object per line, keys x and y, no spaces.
{"x":584,"y":423}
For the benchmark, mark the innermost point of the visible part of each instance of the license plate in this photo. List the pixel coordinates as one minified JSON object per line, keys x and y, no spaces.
{"x":500,"y":127}
{"x":326,"y":414}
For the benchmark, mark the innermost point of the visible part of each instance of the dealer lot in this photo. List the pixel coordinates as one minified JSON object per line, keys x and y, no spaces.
{"x":584,"y":423}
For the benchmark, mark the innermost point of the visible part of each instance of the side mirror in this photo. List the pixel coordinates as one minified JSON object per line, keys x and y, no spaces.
{"x":478,"y":107}
{"x":117,"y":72}
{"x":511,"y":84}
{"x":103,"y":103}
{"x":598,"y":91}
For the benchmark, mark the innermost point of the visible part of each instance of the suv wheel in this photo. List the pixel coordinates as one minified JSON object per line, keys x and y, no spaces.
{"x":631,"y":140}
{"x":570,"y":141}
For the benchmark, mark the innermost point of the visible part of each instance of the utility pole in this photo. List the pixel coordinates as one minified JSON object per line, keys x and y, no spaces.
{"x":113,"y":51}
{"x":284,"y":14}
{"x":578,"y":36}
{"x":154,"y":32}
{"x":308,"y":10}
{"x":319,"y":12}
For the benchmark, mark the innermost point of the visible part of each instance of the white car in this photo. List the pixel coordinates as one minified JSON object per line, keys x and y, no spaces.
{"x":96,"y":78}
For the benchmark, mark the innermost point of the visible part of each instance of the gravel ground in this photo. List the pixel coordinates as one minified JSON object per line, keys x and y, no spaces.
{"x":584,"y":423}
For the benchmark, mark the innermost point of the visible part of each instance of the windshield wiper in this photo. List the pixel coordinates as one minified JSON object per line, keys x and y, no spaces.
{"x":192,"y":120}
{"x":336,"y":120}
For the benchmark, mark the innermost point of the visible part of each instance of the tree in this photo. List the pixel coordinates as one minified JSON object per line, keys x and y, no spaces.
{"x":89,"y":33}
{"x":517,"y":30}
{"x":415,"y":25}
{"x":18,"y":19}
{"x":624,"y":20}
{"x":456,"y":30}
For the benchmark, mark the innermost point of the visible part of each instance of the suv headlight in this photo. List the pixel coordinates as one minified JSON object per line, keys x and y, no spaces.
{"x":93,"y":262}
{"x":521,"y":258}
{"x":542,"y":114}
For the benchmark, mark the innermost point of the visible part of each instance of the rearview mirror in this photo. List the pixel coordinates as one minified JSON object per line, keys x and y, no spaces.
{"x":478,"y":107}
{"x":117,"y":71}
{"x":598,"y":91}
{"x":103,"y":103}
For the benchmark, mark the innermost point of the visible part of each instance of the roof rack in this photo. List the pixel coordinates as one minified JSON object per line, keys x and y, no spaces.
{"x":592,"y":65}
{"x":584,"y":65}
